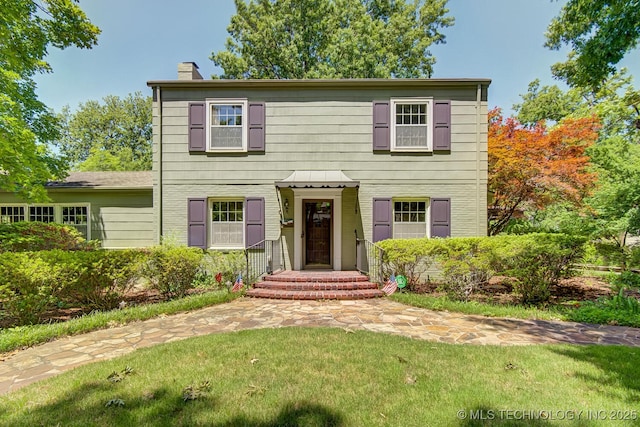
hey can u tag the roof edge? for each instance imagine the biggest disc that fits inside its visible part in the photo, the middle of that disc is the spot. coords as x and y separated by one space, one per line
338 83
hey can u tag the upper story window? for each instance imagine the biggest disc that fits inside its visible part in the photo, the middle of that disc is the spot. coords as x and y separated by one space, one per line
227 130
411 124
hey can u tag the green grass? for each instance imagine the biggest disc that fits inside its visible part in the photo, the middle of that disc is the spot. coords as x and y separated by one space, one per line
587 312
25 336
324 377
442 303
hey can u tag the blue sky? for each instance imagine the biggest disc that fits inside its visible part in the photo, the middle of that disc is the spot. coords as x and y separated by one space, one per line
144 40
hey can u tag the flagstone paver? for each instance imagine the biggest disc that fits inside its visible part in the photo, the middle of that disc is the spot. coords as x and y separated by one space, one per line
377 315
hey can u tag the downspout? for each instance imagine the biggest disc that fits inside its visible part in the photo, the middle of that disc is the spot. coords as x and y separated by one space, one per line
478 159
158 92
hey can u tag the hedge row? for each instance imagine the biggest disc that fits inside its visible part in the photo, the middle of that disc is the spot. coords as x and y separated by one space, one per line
31 283
40 236
534 261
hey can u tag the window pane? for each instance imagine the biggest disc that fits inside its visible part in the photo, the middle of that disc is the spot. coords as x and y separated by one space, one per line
41 213
397 206
405 206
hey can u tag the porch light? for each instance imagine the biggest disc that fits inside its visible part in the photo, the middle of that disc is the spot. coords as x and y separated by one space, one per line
286 205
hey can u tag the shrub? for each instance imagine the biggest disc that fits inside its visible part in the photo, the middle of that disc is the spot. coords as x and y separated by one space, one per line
537 261
626 279
229 264
466 264
29 286
172 269
408 257
97 279
39 236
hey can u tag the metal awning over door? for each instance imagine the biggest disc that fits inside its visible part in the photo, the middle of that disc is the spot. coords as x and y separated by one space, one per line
317 179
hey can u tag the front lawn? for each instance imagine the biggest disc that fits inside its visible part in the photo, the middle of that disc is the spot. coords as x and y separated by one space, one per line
328 377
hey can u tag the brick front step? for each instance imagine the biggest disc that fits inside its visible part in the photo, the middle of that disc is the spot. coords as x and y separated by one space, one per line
315 285
314 295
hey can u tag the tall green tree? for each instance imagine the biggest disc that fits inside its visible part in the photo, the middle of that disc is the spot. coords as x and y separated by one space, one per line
305 39
28 28
114 134
599 32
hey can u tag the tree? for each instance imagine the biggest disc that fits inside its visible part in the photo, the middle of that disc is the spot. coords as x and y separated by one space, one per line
111 135
27 29
305 39
600 34
535 167
613 210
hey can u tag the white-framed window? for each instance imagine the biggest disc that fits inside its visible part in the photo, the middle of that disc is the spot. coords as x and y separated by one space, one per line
227 223
75 215
409 218
411 124
227 125
11 214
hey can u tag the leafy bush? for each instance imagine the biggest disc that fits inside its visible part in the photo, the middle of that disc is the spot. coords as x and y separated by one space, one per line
97 279
626 279
537 261
408 257
229 264
29 286
466 264
172 270
40 236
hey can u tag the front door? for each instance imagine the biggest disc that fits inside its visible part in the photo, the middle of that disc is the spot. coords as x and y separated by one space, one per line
318 222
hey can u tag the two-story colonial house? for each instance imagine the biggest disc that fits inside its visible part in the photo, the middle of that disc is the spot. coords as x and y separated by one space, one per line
316 164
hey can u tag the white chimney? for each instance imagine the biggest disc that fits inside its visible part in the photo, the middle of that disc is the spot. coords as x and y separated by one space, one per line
188 71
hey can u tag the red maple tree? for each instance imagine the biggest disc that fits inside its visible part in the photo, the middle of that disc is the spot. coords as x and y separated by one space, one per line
534 167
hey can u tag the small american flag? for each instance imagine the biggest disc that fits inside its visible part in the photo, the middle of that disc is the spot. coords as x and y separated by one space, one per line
238 284
391 286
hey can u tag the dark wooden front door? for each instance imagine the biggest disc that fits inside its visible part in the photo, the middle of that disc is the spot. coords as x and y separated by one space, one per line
318 220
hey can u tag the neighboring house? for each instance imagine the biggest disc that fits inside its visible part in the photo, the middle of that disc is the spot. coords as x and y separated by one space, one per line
115 208
318 163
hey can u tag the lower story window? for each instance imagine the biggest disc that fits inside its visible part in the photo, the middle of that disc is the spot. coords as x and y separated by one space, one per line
75 216
409 219
227 224
10 214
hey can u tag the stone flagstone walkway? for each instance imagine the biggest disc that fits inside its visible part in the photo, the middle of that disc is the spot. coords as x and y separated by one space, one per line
377 315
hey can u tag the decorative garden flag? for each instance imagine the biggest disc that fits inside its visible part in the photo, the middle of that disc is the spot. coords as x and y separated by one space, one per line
391 286
238 285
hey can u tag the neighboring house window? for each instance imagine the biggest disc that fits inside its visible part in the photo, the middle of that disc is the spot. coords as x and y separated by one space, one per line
10 214
73 215
411 128
41 213
409 219
78 217
227 224
227 125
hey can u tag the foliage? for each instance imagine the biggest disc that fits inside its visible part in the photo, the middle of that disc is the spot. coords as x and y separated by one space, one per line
29 286
172 270
466 263
612 211
534 167
114 134
604 314
411 258
600 33
40 236
27 29
537 261
97 279
229 264
294 39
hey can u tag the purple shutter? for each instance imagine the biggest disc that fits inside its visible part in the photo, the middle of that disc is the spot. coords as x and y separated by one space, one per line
381 129
382 219
441 217
197 223
254 220
197 125
442 125
256 126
